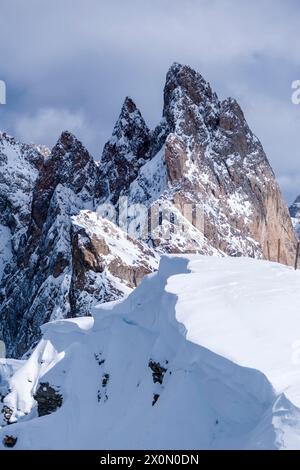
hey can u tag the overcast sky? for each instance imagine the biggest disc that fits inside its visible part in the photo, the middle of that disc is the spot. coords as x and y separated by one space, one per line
68 64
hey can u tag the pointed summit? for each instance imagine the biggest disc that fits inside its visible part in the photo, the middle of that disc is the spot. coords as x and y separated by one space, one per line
129 106
189 102
67 142
71 162
130 126
183 80
67 138
126 151
69 165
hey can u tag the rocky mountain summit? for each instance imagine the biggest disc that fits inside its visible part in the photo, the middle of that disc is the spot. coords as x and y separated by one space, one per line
199 182
204 155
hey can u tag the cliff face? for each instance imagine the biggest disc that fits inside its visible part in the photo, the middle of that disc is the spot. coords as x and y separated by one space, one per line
223 164
208 157
125 153
67 261
200 182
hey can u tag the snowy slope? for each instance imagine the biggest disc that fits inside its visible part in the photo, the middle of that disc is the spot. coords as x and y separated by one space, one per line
248 312
164 367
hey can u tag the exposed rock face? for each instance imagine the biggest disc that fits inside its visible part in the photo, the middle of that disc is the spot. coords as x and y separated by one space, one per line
200 179
107 264
295 215
70 165
48 399
59 271
7 413
211 159
127 150
9 441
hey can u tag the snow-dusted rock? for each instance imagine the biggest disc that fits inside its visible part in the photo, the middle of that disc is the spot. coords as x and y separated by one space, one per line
19 165
50 276
107 264
295 215
200 179
203 153
124 154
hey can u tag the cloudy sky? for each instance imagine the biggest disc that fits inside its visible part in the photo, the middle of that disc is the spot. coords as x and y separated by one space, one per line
68 64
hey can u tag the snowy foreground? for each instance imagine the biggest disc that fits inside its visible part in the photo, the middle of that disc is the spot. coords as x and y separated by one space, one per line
203 354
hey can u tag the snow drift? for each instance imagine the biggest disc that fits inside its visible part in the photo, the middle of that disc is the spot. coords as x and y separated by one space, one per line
199 356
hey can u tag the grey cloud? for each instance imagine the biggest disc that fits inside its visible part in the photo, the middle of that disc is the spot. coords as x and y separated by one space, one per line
72 62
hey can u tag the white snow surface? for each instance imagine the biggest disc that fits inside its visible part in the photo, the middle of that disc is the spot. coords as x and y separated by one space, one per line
224 330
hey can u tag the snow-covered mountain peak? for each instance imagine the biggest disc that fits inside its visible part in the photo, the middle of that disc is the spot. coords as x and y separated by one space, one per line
188 101
200 178
214 162
48 276
130 130
70 151
127 150
129 110
19 168
71 165
68 141
189 80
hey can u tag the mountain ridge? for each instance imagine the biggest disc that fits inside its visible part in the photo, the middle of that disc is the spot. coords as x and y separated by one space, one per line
200 179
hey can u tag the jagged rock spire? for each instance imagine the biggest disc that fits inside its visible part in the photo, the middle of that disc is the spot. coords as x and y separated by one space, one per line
189 103
190 82
69 164
212 158
126 151
201 155
131 136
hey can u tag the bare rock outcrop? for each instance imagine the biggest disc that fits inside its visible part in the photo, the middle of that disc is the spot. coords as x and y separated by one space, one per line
207 157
